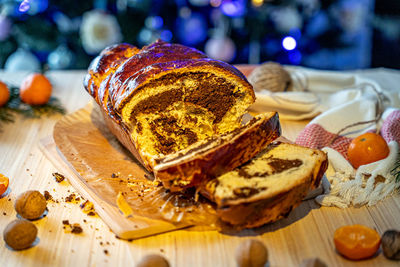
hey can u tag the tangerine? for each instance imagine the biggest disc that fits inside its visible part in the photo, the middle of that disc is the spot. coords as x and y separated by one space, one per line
3 184
35 89
4 94
356 241
367 148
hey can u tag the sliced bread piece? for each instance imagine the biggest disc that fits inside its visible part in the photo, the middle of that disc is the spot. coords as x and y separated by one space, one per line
268 187
212 157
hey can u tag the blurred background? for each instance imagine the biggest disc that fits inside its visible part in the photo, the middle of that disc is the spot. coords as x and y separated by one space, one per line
323 34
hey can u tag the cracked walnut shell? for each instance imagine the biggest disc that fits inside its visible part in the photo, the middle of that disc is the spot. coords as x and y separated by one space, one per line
30 204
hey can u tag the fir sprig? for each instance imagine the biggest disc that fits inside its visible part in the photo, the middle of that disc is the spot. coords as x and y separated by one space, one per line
50 108
7 112
16 106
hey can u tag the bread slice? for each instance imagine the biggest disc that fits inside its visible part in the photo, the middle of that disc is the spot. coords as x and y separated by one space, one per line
212 157
268 187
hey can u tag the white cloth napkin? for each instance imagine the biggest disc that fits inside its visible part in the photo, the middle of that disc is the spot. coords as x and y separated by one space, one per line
315 91
336 100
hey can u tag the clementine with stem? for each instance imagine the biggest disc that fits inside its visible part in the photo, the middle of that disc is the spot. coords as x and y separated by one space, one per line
367 148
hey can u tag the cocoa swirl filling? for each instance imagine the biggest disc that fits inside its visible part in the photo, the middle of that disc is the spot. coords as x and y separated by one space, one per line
277 166
245 192
212 140
167 144
211 92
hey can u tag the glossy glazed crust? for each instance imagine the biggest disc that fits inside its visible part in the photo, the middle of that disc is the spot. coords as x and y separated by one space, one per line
242 146
158 52
121 70
102 67
122 92
257 212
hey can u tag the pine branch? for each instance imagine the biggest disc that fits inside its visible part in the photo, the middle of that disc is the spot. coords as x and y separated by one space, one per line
6 115
16 106
51 108
7 112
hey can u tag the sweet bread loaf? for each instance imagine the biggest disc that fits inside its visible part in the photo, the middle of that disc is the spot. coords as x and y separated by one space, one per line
180 114
221 153
268 187
167 96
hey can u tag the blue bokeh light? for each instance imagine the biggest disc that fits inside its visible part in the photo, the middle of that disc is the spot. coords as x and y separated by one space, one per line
295 57
233 8
24 6
154 22
166 35
289 43
191 30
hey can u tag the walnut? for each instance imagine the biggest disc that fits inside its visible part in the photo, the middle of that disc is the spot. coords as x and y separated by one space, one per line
20 234
30 204
270 76
153 261
312 262
391 244
251 253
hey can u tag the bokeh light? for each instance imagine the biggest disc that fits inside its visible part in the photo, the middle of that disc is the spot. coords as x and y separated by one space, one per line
24 6
191 30
257 3
215 3
233 8
154 22
289 43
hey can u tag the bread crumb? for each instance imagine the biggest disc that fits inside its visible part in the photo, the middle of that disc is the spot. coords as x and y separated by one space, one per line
123 206
47 195
58 177
74 228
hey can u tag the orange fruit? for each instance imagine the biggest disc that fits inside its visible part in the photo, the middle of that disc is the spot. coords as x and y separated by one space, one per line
3 184
367 148
4 94
35 89
356 241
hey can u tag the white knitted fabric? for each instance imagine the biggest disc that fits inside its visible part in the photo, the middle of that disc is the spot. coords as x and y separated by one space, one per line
348 187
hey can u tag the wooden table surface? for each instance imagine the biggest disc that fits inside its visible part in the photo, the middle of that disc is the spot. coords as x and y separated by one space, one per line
306 233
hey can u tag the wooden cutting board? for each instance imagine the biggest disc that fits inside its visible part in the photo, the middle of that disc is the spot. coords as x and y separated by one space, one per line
97 165
88 162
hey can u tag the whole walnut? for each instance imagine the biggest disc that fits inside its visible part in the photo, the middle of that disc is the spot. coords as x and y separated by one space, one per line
20 234
391 244
153 260
270 76
30 204
251 253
